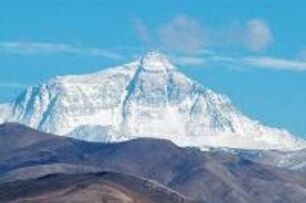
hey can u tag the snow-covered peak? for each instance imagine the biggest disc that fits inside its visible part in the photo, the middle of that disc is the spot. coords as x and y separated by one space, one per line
155 61
146 98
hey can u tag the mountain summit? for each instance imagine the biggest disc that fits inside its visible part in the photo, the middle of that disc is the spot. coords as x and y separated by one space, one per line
155 61
146 98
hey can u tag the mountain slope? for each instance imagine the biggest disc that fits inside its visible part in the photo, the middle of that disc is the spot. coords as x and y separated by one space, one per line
212 176
106 187
147 98
294 160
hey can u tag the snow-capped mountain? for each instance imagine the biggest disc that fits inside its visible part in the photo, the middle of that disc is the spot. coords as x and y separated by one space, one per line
146 98
293 160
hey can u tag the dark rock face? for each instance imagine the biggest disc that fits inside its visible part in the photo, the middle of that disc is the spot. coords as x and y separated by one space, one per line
206 176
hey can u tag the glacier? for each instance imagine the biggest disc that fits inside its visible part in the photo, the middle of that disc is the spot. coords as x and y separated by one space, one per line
146 98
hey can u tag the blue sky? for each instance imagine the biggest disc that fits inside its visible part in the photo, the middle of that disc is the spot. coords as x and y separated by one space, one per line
255 52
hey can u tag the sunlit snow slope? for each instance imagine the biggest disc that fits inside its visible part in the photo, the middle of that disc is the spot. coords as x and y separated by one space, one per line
146 98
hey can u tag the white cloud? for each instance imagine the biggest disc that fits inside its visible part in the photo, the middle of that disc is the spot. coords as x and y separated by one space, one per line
187 60
257 35
207 58
143 32
254 35
275 63
263 62
182 34
19 47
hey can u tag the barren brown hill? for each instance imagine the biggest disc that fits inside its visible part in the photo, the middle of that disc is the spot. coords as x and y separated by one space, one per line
212 176
106 187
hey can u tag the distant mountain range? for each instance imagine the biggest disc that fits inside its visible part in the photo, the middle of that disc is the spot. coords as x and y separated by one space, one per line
40 167
146 98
